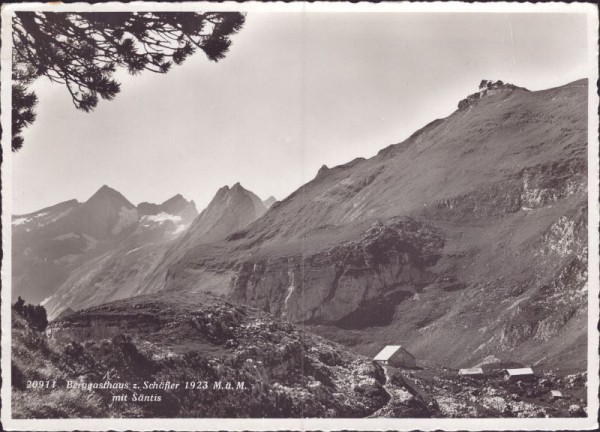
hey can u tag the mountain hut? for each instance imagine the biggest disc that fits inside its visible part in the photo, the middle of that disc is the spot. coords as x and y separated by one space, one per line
396 356
520 374
471 372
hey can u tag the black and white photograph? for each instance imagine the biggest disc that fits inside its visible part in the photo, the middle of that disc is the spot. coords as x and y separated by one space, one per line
303 216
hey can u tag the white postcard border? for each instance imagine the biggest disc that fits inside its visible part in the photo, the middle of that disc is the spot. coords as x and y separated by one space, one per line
588 423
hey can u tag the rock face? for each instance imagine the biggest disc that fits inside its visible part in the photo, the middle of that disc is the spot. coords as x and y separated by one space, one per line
497 196
355 284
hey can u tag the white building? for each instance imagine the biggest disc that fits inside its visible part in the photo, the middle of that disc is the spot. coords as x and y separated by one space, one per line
520 374
471 372
395 355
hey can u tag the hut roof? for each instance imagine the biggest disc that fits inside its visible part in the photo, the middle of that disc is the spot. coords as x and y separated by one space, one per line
387 352
520 371
471 371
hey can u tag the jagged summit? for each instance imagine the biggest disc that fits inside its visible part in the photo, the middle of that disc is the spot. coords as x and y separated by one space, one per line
237 187
233 198
231 209
174 205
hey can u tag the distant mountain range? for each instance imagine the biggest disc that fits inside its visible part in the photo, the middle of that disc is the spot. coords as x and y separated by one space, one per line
75 255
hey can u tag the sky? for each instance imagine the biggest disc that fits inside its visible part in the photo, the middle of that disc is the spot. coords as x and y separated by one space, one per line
295 92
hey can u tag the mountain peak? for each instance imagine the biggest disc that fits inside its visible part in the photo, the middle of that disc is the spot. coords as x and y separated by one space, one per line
269 201
237 189
176 199
236 192
105 189
176 205
322 171
107 194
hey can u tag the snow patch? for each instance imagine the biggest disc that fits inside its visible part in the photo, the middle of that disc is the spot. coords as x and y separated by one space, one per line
46 300
24 220
162 217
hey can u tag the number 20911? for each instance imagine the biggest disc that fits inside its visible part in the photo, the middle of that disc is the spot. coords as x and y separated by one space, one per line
41 384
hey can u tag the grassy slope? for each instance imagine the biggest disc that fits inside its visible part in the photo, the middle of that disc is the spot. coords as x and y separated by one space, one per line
497 178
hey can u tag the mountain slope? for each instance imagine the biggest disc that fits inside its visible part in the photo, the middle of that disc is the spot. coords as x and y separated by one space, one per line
467 240
34 274
230 210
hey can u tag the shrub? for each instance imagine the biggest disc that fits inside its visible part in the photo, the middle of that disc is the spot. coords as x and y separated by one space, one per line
35 315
